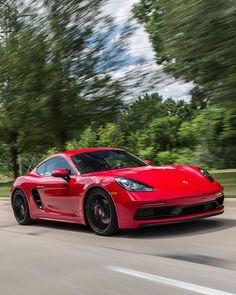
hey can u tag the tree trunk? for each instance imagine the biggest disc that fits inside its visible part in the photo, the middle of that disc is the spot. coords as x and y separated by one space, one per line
14 156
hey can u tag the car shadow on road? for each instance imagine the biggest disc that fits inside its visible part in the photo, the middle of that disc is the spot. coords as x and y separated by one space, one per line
56 225
202 226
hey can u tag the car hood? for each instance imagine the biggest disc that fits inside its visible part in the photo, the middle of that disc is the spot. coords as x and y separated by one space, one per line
169 179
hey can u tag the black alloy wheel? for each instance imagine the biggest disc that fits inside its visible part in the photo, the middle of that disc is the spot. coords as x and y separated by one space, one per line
101 213
21 208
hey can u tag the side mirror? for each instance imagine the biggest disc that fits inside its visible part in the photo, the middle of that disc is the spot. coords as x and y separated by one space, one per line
148 162
61 172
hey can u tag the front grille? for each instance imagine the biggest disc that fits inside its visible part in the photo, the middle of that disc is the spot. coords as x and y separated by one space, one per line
176 211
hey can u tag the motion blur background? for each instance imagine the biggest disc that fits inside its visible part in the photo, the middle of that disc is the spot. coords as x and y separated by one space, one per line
155 77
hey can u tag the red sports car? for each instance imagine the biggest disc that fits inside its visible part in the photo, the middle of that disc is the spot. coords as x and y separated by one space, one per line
111 189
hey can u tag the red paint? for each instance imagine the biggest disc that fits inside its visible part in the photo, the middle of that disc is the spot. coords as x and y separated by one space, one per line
63 199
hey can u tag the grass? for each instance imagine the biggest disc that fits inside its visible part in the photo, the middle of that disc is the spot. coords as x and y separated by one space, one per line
5 184
226 177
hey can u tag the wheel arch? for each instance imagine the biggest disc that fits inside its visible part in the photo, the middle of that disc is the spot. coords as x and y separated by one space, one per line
18 189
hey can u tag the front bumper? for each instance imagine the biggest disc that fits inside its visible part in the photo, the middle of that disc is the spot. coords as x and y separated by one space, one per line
165 212
135 214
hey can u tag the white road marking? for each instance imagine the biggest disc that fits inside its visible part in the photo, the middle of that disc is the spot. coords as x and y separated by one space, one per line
169 282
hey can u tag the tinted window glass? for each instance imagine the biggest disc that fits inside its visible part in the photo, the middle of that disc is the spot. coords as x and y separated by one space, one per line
41 169
105 160
56 163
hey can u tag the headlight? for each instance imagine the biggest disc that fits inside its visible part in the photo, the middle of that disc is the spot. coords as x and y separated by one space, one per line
133 185
207 174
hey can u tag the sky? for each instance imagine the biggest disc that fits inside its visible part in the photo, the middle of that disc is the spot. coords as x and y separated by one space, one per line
147 76
140 46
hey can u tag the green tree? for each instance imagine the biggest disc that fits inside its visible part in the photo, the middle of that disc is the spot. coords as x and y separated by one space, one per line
159 136
22 58
195 40
150 124
110 135
166 157
52 83
78 94
142 111
163 133
88 138
212 135
139 143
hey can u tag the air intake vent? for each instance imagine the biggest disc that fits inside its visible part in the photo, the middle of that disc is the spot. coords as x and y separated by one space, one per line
220 201
37 199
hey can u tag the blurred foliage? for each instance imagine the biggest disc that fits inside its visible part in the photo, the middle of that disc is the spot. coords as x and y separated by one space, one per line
57 92
110 136
54 81
205 139
195 40
88 138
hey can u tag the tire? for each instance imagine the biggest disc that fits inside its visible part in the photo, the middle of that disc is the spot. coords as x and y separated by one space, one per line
21 208
101 213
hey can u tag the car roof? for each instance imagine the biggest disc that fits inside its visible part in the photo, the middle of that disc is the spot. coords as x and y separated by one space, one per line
85 150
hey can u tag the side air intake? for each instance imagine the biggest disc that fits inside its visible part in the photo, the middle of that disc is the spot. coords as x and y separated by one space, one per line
37 199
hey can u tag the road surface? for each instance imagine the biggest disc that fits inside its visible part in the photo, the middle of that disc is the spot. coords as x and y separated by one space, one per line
63 259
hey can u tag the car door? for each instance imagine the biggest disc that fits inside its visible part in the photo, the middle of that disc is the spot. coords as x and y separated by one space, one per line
59 197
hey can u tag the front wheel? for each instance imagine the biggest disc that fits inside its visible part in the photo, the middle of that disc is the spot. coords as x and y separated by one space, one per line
101 213
21 208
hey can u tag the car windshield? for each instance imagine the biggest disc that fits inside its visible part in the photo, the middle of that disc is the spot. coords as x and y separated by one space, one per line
105 160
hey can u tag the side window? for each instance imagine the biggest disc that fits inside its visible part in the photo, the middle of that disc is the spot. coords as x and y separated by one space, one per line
41 169
56 163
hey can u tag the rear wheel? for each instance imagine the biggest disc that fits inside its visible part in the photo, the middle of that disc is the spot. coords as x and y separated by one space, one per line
21 208
101 213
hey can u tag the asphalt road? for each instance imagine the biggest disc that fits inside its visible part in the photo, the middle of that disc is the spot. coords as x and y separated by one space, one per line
63 259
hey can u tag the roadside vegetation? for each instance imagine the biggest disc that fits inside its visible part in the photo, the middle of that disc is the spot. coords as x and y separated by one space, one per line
5 184
228 179
57 91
